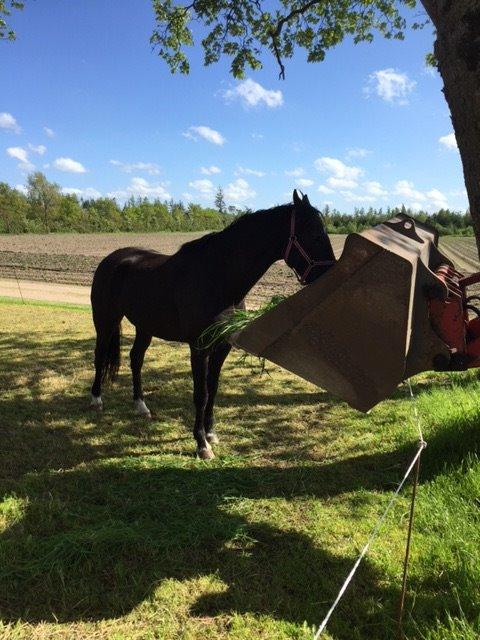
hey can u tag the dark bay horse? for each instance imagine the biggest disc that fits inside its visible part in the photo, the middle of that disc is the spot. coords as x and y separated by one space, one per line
177 297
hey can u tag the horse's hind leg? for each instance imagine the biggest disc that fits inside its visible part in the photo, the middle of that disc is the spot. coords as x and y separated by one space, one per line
140 345
199 361
215 363
107 354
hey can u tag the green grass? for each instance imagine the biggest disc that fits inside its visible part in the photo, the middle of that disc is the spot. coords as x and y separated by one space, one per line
110 528
46 303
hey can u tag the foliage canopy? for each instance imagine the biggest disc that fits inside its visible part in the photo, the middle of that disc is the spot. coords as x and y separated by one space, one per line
6 7
242 29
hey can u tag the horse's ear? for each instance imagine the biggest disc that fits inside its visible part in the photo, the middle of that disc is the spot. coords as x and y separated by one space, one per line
306 201
297 200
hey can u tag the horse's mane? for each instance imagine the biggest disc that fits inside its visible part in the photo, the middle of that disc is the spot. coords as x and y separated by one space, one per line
239 222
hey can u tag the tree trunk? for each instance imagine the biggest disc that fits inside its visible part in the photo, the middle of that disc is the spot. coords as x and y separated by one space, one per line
457 49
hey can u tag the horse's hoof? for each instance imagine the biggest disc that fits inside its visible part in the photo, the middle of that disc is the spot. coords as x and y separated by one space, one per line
96 403
205 453
212 438
141 409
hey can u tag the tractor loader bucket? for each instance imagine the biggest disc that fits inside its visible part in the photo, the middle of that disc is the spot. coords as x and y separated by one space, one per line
362 327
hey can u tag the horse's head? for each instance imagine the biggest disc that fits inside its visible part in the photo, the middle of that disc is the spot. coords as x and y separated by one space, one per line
308 251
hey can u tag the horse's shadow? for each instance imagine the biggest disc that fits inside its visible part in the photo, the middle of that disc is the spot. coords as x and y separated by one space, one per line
96 543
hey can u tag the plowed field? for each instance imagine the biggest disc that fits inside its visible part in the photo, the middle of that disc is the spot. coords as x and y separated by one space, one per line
72 258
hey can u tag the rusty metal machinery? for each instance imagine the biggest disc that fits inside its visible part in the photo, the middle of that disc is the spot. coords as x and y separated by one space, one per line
392 306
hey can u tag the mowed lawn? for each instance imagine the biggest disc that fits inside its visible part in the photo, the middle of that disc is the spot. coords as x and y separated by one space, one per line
110 528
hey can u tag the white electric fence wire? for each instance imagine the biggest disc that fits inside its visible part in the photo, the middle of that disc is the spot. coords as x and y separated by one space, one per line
416 414
421 446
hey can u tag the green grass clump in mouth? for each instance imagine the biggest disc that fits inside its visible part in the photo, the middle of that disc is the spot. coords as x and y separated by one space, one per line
234 322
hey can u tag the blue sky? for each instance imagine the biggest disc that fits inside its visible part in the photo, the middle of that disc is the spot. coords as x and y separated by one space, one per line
85 100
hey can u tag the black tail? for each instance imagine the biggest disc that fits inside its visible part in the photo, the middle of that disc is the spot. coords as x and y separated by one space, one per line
111 363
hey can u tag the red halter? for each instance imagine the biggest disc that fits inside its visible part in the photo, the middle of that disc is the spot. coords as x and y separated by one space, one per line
293 242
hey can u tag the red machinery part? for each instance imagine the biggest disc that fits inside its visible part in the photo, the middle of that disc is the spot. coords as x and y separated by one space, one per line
450 319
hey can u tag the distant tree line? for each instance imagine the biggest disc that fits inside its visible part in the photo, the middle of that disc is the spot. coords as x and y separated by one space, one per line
44 208
446 222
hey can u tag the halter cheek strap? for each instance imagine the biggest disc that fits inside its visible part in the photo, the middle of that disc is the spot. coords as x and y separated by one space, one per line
294 242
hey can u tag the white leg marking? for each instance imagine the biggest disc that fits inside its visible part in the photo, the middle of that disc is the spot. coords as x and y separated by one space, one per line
141 409
212 438
205 453
96 403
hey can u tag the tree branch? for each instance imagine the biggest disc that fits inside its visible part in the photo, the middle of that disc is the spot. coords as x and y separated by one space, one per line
281 75
274 33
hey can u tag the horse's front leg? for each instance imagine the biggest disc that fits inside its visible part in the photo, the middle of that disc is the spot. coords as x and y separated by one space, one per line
215 363
199 360
137 354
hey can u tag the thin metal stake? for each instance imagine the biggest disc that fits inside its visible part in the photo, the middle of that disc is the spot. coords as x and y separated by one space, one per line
18 285
401 634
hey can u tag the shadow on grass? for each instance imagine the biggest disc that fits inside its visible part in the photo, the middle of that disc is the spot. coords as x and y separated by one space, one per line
168 394
95 544
94 541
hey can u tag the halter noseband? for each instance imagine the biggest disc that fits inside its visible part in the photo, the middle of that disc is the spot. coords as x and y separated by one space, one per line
294 242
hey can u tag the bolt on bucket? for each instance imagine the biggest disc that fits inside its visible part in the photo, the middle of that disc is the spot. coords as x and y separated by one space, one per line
362 327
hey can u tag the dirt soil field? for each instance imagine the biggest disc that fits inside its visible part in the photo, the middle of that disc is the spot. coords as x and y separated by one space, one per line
70 259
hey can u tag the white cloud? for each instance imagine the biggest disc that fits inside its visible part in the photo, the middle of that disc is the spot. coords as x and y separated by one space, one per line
18 153
239 191
357 152
304 182
341 183
428 70
8 122
90 192
297 147
49 132
139 187
342 176
353 191
373 188
357 197
337 168
252 94
407 190
204 187
69 165
26 166
249 172
295 173
210 135
390 85
449 141
40 149
210 171
433 199
149 167
257 136
437 198
416 206
22 188
21 154
458 193
324 189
